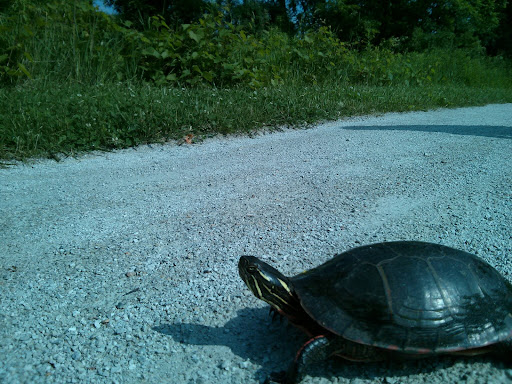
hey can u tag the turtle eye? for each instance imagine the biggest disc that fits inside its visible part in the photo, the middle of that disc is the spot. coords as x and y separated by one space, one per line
252 269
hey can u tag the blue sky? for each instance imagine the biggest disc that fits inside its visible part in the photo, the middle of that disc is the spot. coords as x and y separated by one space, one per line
102 7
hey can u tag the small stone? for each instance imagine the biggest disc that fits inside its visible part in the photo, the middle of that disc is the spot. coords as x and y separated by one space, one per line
195 359
59 358
116 369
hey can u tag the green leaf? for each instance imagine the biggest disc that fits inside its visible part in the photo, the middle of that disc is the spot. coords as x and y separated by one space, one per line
164 24
24 70
151 52
194 36
29 58
208 76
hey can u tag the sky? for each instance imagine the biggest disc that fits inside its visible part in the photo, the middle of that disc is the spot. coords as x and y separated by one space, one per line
102 7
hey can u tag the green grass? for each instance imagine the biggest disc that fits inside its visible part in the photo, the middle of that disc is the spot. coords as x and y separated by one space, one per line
61 120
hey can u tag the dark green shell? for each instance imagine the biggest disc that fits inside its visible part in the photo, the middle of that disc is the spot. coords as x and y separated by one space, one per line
411 297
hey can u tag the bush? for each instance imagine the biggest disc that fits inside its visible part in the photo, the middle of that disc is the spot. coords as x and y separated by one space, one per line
214 51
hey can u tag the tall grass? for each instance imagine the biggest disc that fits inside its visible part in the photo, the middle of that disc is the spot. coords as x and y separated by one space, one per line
58 41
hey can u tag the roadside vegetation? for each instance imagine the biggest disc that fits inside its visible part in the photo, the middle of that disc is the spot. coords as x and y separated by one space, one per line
75 79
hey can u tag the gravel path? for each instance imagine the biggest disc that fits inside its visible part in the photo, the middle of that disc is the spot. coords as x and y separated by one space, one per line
121 267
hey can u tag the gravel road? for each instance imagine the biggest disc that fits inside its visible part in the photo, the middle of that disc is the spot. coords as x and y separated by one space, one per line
121 267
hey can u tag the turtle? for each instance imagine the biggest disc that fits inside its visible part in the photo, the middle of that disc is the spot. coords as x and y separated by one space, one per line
391 300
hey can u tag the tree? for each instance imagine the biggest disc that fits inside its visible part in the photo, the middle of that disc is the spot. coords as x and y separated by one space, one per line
279 15
453 22
251 14
502 43
257 15
173 11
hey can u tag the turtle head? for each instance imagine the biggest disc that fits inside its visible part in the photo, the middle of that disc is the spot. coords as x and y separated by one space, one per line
266 283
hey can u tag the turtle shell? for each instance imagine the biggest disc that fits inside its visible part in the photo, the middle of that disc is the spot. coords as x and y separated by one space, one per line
411 297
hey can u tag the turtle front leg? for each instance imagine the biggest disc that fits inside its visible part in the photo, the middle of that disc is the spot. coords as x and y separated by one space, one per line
321 348
316 349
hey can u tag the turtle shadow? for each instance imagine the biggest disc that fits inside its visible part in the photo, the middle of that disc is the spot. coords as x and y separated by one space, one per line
254 336
251 334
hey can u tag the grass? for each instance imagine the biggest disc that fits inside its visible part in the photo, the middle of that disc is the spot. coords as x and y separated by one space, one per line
66 119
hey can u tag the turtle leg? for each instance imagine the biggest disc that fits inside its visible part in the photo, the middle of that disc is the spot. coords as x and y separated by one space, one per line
316 349
274 313
320 348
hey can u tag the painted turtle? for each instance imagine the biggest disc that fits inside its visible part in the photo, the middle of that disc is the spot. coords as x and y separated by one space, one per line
389 300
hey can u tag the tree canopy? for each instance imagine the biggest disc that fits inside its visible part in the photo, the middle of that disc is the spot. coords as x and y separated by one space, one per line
410 24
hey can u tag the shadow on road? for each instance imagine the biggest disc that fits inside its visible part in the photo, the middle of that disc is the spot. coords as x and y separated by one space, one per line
470 130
